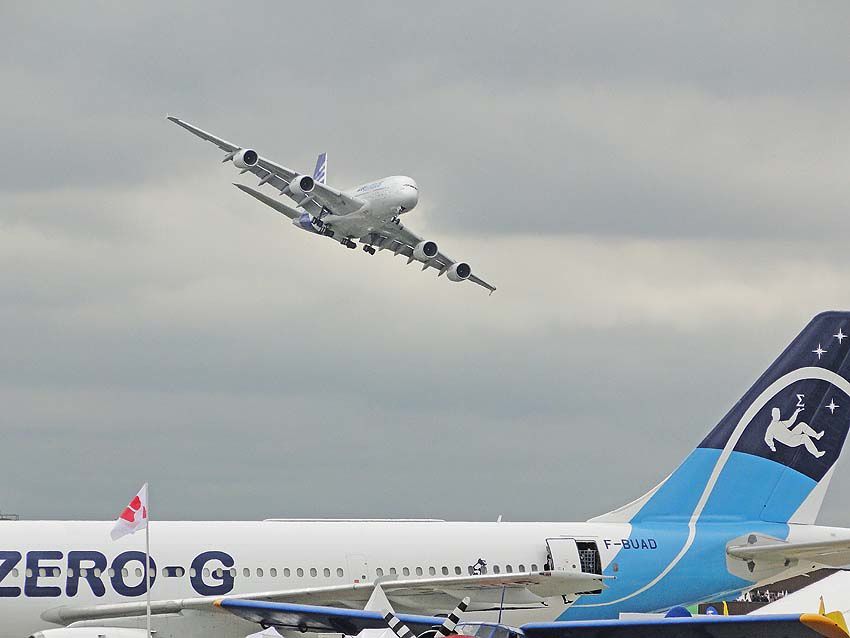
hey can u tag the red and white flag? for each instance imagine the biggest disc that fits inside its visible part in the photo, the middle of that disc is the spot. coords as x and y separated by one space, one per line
134 517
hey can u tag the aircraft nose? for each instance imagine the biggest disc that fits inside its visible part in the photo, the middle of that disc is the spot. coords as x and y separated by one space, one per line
411 195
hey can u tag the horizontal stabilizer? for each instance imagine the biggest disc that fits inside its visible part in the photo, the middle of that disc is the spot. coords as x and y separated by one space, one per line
831 553
270 201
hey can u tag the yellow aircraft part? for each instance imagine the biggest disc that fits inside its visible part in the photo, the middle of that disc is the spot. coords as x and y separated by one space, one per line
826 625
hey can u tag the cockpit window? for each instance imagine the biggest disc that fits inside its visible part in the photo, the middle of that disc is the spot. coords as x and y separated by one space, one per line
413 186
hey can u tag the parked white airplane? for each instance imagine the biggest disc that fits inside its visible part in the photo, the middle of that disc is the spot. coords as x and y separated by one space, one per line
369 213
736 514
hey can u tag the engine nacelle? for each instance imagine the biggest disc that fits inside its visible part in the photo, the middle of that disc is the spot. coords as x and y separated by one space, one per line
301 185
459 271
425 250
246 158
91 632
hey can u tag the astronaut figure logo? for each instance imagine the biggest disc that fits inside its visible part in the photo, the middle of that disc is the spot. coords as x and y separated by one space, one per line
787 433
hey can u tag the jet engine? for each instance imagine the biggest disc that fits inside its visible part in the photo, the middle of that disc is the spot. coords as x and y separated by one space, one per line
425 250
246 158
301 185
459 271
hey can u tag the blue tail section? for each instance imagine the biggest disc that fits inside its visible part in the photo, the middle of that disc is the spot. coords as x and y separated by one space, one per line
771 457
320 173
765 465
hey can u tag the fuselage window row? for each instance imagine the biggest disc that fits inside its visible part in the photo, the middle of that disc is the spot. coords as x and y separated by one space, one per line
176 571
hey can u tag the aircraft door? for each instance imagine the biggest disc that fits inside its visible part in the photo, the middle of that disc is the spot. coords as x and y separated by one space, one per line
563 555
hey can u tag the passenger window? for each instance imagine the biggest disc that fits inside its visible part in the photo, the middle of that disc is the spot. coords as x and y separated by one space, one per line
96 572
458 570
70 572
313 572
125 572
406 571
495 569
341 573
327 572
273 572
533 567
192 572
206 571
509 569
286 572
521 567
260 572
378 572
15 572
29 573
418 571
299 571
393 571
432 571
233 572
445 571
218 573
42 572
138 572
246 572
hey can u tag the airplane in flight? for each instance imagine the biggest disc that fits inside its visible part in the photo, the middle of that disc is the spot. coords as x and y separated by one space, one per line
369 213
738 513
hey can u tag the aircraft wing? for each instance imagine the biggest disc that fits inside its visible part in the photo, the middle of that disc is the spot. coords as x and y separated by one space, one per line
270 172
402 241
832 553
316 618
780 626
423 594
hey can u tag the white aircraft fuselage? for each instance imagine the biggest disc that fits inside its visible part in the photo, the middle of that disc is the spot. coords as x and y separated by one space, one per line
47 565
385 199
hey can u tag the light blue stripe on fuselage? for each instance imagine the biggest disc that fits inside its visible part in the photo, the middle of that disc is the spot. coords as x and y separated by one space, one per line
749 489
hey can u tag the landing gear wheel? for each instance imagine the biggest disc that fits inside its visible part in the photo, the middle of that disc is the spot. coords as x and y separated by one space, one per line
368 249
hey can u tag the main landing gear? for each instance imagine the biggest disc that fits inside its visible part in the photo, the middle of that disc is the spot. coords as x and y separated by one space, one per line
368 249
347 243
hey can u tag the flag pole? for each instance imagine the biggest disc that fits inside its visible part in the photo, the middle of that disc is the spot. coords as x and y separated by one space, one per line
148 561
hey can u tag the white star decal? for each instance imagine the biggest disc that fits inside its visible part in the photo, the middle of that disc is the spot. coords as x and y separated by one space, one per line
819 352
832 406
840 336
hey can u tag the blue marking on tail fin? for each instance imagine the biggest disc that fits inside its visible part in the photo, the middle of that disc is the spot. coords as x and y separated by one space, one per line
774 447
320 174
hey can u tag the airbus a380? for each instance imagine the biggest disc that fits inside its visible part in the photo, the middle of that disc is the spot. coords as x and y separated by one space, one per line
739 512
370 213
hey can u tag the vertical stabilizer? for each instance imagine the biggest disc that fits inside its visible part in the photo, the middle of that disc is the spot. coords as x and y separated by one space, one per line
320 173
771 457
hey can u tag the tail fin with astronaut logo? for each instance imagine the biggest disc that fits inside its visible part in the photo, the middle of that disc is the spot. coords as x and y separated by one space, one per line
772 456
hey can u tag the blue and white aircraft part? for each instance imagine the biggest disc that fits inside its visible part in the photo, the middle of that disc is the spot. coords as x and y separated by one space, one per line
738 512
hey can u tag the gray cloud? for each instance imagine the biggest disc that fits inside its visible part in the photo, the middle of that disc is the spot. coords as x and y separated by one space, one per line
653 189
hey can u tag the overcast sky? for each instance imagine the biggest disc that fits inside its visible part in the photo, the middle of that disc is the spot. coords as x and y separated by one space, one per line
659 190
